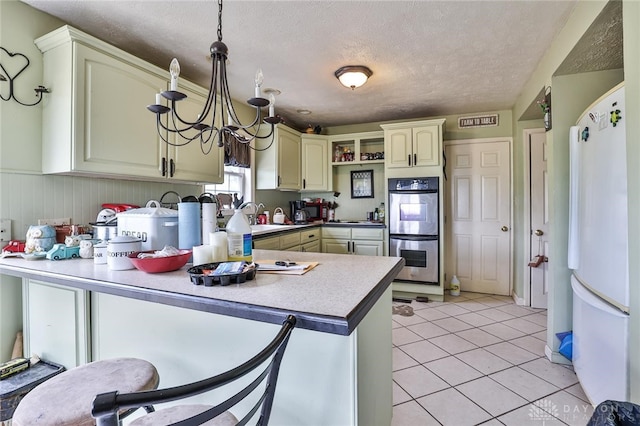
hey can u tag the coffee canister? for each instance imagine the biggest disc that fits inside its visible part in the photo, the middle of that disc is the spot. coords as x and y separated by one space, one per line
118 250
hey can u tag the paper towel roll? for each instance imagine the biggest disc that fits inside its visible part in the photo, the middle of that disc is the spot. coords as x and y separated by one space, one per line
189 225
209 220
218 241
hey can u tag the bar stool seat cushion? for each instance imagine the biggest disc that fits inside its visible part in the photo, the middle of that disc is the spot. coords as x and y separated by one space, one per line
67 398
174 414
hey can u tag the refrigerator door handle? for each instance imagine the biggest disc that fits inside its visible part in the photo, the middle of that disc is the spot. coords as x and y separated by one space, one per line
574 192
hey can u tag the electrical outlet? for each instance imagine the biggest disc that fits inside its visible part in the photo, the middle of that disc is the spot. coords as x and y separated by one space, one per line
55 222
5 229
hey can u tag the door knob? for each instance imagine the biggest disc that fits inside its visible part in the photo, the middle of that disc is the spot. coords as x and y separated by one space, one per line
539 232
504 229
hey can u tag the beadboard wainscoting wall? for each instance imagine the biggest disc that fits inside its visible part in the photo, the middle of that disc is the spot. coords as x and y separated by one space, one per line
25 198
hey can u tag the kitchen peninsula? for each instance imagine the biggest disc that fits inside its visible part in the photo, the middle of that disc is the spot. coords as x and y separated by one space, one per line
337 368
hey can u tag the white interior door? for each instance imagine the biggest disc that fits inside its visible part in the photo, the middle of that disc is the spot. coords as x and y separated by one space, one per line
479 215
539 210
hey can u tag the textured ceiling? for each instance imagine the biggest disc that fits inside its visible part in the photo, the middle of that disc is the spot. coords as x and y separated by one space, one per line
429 58
600 48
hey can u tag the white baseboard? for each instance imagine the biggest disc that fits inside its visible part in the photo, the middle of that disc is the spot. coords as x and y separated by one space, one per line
518 300
556 357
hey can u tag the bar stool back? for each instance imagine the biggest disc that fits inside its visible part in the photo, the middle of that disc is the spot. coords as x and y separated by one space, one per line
107 405
66 399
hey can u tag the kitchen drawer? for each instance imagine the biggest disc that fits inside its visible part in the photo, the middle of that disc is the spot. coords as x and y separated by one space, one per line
367 233
289 240
309 235
340 233
311 246
270 243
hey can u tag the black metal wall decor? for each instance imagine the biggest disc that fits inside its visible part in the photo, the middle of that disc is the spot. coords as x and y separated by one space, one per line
546 108
362 184
6 76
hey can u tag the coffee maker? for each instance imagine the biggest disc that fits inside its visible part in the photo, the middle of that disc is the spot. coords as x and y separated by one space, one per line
298 213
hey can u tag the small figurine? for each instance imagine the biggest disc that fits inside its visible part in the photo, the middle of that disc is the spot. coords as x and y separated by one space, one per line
71 241
86 249
61 251
14 246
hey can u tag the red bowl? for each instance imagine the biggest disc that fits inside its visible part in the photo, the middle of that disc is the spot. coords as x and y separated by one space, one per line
160 264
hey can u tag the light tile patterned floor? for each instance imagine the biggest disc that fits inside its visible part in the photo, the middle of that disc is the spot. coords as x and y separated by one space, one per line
479 359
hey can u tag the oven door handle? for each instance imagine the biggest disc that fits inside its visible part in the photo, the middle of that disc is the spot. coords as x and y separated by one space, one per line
413 191
414 237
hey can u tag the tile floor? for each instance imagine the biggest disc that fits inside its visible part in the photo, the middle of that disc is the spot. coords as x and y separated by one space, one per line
479 359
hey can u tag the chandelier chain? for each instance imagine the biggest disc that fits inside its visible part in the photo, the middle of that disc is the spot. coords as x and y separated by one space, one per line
219 20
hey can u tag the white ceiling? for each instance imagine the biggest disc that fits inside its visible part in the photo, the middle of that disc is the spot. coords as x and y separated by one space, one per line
429 58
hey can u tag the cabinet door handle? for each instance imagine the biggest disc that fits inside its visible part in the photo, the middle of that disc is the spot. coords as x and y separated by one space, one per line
304 183
415 159
164 166
172 167
279 180
409 160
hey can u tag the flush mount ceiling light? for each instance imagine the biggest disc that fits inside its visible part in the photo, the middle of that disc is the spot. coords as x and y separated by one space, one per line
353 76
218 109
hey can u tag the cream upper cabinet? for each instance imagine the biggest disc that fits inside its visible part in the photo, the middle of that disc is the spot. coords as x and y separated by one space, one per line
278 167
95 121
413 144
316 172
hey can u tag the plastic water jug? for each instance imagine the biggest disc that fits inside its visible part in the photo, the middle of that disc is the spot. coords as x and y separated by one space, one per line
239 237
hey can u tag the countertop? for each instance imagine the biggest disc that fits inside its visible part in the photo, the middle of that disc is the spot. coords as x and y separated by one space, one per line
333 297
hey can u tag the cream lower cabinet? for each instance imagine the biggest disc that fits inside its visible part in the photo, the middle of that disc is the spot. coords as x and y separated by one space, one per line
305 240
95 120
278 167
56 323
290 241
310 240
316 171
268 243
413 144
353 240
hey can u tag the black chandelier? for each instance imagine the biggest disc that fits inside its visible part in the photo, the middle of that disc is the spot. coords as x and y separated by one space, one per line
205 129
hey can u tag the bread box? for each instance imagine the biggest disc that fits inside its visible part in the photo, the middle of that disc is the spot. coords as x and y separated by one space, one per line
154 225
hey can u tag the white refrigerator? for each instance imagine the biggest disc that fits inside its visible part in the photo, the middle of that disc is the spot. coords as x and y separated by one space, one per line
598 249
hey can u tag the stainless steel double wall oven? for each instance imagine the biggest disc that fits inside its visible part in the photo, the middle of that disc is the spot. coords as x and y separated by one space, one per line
414 218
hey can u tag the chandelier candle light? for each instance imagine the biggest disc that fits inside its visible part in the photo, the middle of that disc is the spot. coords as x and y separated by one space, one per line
204 127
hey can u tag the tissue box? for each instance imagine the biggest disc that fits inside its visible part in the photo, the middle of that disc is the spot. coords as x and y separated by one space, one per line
14 388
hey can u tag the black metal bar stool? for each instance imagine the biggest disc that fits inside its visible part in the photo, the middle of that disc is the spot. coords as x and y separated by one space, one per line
107 405
66 399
